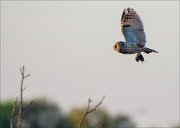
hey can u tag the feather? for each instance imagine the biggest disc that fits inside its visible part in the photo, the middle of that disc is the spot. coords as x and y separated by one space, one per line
132 28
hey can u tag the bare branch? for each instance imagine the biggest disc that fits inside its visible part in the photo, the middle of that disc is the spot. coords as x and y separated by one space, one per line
21 109
97 105
27 105
12 114
88 110
27 76
21 71
24 108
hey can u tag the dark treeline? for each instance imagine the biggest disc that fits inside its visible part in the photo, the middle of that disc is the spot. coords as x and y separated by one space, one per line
46 114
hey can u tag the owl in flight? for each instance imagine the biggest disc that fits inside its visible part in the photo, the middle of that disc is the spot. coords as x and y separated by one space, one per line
133 31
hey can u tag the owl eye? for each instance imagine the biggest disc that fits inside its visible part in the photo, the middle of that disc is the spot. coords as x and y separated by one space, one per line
115 46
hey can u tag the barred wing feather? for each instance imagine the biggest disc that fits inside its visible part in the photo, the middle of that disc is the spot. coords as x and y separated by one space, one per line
132 28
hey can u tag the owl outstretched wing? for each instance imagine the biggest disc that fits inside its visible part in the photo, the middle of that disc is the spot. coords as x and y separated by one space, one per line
132 28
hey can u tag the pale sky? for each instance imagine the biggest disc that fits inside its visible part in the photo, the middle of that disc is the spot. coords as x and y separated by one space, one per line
67 47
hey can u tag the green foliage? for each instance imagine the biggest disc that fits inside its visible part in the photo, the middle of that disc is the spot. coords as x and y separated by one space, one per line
5 112
45 114
41 114
99 119
75 116
177 126
122 121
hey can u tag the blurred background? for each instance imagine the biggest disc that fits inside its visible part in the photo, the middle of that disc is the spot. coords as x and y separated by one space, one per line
67 48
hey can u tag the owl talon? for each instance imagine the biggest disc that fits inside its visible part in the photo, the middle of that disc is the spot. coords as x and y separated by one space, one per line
139 57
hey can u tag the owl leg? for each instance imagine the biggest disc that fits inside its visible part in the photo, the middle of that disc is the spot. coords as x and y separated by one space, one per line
139 57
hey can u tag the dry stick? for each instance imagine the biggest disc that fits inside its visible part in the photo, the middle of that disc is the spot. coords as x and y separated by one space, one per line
21 109
24 108
12 114
23 76
89 111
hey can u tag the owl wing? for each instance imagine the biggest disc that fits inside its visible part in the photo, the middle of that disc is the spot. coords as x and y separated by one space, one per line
132 28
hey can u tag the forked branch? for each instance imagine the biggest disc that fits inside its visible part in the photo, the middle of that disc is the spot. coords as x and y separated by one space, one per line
13 113
21 108
23 76
88 110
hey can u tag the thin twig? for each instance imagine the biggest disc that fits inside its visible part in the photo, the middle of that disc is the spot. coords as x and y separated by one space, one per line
28 105
88 110
23 76
21 108
12 114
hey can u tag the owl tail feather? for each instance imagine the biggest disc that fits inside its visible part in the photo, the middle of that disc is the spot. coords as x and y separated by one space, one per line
148 50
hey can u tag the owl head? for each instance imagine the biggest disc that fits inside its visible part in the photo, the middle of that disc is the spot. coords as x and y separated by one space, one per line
118 46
